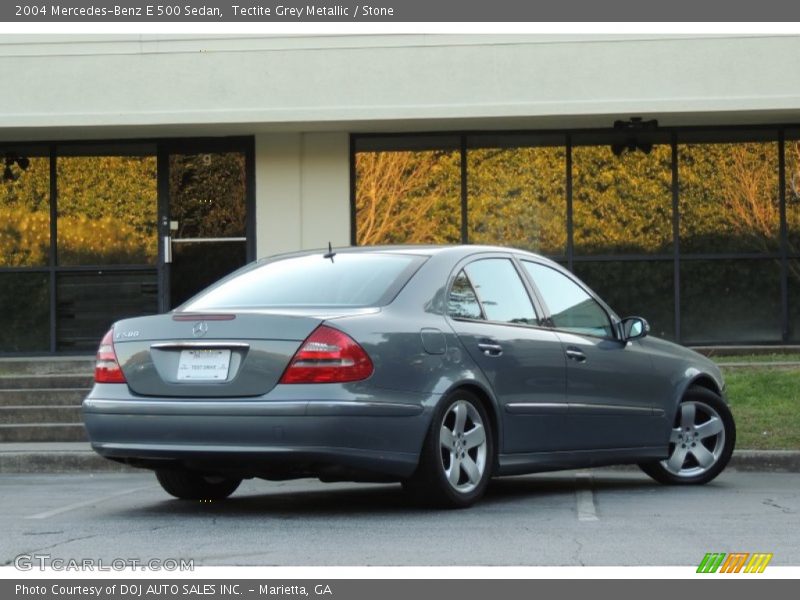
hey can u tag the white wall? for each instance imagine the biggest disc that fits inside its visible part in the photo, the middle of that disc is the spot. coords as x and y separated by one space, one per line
302 191
57 87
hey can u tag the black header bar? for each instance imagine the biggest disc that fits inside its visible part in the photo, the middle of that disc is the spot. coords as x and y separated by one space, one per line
398 11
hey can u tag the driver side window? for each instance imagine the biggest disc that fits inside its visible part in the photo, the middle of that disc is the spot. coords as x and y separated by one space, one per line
571 308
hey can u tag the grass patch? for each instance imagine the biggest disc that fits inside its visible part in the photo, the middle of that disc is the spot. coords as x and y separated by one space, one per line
766 406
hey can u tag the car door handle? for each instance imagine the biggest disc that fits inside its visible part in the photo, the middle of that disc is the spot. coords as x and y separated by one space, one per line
576 355
490 348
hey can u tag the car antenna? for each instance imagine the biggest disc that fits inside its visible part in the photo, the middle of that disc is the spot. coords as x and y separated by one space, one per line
330 253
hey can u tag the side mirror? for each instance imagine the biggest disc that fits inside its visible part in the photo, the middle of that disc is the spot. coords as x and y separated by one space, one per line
634 328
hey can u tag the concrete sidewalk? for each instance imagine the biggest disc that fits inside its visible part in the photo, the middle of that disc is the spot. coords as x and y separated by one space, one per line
77 457
54 457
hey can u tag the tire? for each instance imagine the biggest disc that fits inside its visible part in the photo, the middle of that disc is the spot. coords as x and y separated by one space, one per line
188 485
701 441
458 454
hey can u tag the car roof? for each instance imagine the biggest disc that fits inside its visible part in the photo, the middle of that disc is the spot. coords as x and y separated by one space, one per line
456 251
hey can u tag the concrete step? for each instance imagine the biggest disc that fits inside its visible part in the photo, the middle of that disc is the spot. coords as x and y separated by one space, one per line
61 380
48 365
43 432
54 457
39 397
18 415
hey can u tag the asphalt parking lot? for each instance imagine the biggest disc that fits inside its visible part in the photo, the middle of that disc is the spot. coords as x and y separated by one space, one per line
599 517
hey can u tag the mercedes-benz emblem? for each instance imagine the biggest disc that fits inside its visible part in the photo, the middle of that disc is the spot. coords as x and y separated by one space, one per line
200 329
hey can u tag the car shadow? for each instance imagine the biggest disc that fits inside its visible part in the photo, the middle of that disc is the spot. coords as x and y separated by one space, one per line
513 488
384 499
376 500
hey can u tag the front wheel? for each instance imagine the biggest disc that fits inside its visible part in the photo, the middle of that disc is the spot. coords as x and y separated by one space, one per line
701 441
188 485
457 456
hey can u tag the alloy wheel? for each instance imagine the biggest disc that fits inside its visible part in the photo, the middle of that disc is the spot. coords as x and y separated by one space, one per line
463 446
697 440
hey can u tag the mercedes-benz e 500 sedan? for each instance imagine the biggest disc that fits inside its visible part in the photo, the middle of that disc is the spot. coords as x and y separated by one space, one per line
439 367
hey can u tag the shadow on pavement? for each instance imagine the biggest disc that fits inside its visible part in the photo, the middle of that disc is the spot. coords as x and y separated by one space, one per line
378 500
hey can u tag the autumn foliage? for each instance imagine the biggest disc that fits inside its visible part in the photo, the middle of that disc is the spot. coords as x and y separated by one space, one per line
728 198
106 212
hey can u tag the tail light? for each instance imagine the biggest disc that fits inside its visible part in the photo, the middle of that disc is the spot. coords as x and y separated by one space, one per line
107 369
328 356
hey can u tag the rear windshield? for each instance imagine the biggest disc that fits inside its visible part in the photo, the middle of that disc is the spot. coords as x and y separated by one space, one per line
349 280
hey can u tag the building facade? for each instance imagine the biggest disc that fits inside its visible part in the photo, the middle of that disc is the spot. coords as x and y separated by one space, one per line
663 170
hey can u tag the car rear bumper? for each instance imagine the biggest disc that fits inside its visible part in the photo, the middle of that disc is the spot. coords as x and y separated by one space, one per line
260 437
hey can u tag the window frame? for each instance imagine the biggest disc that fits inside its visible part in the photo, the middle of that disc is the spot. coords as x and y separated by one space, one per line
55 149
531 294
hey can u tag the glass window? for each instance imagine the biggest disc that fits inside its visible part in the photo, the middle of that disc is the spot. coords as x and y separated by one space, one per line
197 265
621 204
350 279
24 312
730 301
571 308
635 288
207 195
207 199
107 209
792 154
90 301
409 197
729 197
517 197
794 299
24 209
462 302
500 291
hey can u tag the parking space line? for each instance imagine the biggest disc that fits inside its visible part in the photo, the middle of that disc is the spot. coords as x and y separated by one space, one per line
585 497
93 501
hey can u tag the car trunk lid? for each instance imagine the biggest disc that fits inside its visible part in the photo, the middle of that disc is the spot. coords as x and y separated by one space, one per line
209 355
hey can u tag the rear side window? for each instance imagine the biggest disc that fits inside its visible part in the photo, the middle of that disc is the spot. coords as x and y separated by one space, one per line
571 308
463 303
500 291
349 280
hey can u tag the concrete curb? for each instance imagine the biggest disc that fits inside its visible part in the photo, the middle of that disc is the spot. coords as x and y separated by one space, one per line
785 461
763 461
68 462
79 458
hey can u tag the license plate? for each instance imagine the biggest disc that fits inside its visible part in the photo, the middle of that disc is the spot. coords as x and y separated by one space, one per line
204 365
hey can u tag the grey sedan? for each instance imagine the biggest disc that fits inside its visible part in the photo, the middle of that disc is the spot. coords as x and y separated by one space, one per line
439 367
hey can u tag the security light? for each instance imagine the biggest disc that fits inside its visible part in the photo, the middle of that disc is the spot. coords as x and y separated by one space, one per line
634 127
10 159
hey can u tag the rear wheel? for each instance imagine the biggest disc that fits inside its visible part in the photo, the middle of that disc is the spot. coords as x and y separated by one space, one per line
188 485
458 454
701 441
